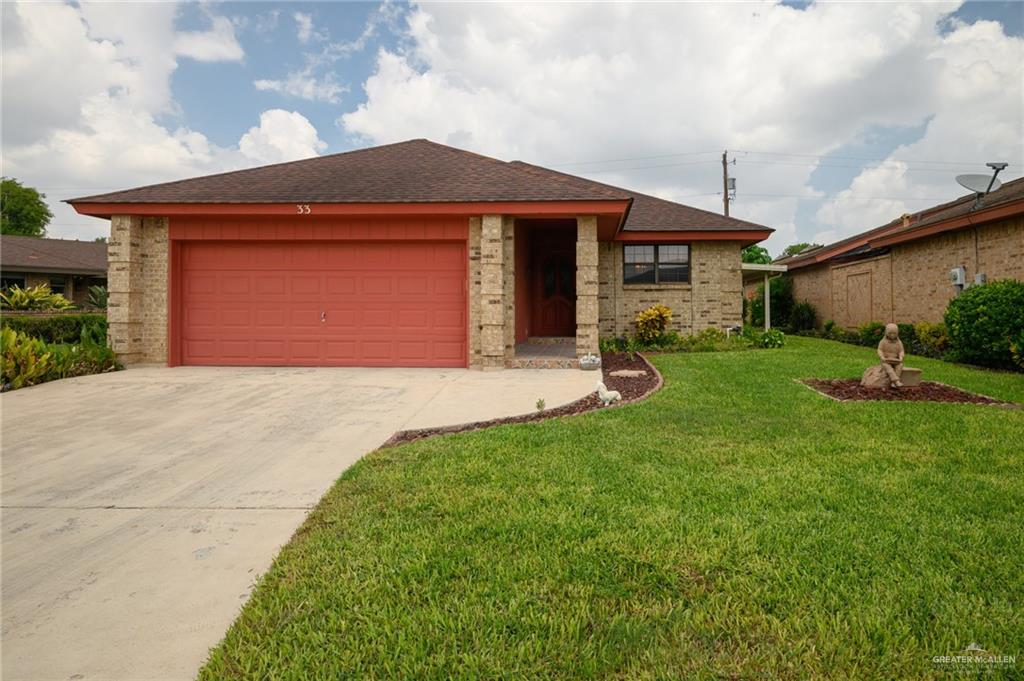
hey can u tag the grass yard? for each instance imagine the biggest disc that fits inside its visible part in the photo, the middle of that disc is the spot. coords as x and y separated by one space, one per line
735 525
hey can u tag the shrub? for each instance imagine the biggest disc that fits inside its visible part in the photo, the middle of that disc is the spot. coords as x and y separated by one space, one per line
652 322
930 340
58 328
28 361
829 326
1017 350
34 298
803 316
984 321
781 298
870 333
907 334
25 361
97 297
772 338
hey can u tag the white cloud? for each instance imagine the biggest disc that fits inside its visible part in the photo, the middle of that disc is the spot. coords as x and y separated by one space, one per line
281 136
217 44
96 126
304 85
564 83
304 27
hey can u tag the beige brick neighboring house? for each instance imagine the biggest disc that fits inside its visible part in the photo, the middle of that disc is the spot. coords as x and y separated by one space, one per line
67 266
411 254
900 272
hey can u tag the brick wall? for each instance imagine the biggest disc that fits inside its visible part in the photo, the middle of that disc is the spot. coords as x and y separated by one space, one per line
922 289
712 299
814 285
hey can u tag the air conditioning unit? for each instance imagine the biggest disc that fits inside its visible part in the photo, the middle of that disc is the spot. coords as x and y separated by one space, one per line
980 278
958 276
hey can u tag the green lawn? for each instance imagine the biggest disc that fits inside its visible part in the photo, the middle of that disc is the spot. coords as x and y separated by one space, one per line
735 525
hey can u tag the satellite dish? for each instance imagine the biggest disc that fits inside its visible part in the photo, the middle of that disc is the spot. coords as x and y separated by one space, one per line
979 184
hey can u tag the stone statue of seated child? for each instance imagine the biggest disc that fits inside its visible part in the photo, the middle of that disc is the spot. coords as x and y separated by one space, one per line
890 351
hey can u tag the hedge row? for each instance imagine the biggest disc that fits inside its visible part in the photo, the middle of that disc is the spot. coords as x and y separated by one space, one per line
60 328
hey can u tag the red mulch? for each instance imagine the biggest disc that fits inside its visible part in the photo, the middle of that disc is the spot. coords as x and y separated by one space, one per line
632 389
929 391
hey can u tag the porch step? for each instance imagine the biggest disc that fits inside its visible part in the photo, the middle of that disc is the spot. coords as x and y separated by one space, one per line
551 340
543 363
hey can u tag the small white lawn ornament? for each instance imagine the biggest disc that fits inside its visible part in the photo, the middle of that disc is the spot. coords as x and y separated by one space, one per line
607 396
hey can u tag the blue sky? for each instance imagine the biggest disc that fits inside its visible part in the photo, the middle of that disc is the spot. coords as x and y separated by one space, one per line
219 99
839 116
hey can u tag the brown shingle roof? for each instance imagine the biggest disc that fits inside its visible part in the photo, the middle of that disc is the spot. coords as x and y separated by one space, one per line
27 253
406 172
412 172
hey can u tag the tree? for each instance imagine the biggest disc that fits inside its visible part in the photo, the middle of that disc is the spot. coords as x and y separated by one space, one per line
796 248
100 239
756 254
22 209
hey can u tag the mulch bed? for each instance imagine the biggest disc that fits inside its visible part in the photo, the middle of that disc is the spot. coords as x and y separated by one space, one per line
632 389
850 389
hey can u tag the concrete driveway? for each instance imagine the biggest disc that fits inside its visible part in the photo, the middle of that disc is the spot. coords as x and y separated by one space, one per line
140 506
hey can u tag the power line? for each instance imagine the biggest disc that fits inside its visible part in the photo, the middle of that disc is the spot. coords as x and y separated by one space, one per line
635 158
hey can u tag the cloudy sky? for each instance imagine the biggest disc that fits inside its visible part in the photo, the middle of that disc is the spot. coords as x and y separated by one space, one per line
839 116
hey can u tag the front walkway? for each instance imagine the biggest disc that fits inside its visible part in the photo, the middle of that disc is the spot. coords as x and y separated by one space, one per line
139 507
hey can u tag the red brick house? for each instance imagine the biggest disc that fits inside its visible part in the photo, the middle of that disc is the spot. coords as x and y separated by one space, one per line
902 271
409 254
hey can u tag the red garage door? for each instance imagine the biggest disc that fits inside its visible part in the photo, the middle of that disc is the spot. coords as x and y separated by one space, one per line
339 303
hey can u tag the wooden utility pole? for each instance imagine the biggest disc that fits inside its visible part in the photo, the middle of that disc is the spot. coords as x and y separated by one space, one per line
725 182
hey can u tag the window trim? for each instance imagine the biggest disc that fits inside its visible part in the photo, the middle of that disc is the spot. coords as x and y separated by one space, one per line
657 269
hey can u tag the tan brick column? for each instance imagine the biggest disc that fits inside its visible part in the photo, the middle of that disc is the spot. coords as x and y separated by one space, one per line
124 285
586 285
474 348
154 289
508 281
492 292
137 284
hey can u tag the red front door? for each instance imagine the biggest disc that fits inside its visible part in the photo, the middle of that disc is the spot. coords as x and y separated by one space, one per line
338 303
553 258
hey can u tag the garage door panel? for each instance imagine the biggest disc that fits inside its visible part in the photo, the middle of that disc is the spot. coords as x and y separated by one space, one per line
383 304
377 286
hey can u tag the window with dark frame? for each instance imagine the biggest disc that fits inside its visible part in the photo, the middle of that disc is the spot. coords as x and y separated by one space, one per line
58 284
8 282
656 264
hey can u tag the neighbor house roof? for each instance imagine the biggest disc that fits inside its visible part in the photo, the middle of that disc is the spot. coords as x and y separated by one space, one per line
34 254
1007 201
417 171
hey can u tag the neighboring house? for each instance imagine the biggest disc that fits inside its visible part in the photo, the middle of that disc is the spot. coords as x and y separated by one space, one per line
68 267
903 271
408 254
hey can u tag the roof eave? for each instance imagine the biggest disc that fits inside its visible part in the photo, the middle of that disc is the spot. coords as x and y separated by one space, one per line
535 208
996 213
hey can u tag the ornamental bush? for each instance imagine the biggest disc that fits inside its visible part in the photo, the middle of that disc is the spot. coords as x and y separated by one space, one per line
985 321
870 333
33 298
652 322
803 316
26 361
930 340
58 328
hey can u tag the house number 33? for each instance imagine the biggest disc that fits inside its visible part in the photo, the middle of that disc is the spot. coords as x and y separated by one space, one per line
302 208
